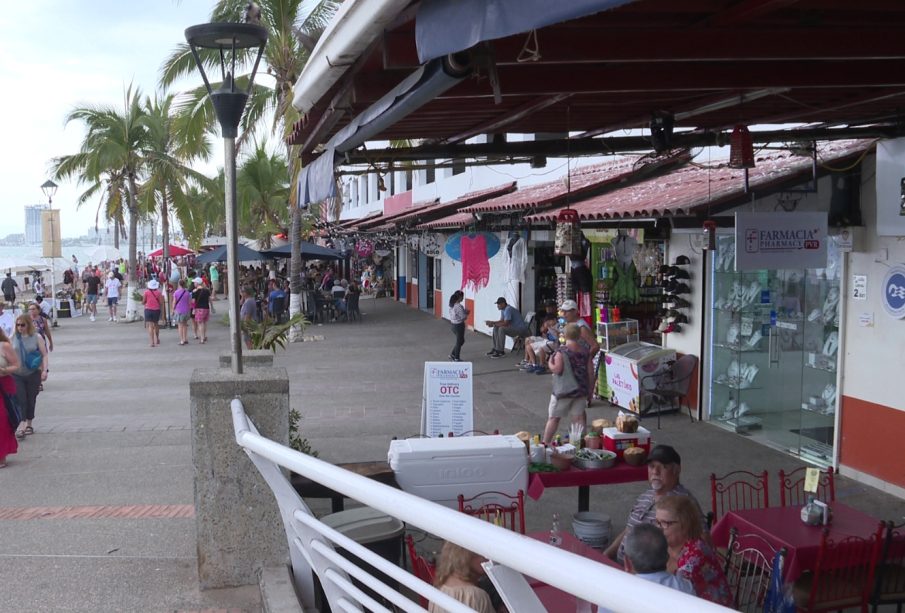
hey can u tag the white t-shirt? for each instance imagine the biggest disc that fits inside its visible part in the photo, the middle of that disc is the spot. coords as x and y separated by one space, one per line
112 286
8 323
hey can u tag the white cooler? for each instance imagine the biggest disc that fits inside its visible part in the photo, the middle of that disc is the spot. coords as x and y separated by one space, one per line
439 469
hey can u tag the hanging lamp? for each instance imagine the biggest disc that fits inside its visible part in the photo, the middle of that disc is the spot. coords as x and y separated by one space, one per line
741 148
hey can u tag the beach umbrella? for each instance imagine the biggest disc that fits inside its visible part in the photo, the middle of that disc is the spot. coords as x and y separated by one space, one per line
22 264
174 250
219 255
310 251
104 252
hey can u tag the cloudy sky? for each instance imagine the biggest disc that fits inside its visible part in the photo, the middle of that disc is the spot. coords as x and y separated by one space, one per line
60 54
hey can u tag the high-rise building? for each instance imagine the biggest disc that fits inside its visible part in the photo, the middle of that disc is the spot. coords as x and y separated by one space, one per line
33 223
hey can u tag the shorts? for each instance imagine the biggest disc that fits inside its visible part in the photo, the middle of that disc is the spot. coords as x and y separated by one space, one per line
539 344
152 315
181 318
202 315
9 297
91 298
560 407
112 301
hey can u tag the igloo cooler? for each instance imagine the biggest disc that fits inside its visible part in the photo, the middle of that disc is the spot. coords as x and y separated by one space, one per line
439 469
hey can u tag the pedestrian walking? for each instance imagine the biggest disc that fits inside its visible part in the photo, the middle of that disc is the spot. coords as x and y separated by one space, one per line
202 297
153 301
92 288
9 363
9 287
182 311
41 323
32 371
457 316
112 286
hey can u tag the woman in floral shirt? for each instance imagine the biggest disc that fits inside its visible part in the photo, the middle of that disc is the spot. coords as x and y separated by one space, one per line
689 555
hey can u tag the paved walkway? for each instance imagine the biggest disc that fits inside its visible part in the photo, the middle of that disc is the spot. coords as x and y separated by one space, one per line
96 508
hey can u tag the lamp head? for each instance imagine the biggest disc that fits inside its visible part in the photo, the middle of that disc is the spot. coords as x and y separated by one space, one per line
50 189
231 40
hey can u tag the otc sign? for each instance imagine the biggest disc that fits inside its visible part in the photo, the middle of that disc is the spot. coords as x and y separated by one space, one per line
780 240
894 291
447 403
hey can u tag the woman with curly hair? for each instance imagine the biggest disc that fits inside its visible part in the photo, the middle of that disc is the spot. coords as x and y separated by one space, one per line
457 575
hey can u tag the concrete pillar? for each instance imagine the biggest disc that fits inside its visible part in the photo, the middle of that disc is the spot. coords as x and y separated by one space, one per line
238 525
251 358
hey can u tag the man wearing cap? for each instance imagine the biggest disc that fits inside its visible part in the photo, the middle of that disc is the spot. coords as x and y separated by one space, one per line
112 286
663 468
511 323
588 338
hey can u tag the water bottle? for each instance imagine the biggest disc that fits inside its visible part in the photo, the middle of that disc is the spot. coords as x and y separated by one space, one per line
555 536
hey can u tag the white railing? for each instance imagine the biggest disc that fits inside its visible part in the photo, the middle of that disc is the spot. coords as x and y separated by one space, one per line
311 544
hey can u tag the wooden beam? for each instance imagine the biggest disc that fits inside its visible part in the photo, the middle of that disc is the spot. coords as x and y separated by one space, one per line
507 118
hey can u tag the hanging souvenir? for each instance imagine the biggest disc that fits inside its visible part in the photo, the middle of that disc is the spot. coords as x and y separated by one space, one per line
364 248
454 243
567 240
412 241
475 264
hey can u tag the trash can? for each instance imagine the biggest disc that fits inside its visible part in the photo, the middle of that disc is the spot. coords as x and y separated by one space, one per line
378 532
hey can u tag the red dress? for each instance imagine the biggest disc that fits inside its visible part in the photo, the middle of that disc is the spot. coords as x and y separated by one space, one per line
8 442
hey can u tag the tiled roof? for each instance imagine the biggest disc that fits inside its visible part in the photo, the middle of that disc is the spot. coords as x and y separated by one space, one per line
465 200
456 220
686 189
388 220
583 180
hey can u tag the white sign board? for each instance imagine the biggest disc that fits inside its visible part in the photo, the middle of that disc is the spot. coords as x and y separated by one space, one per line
859 287
778 241
447 401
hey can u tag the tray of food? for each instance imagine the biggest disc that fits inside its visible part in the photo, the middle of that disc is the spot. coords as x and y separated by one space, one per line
594 458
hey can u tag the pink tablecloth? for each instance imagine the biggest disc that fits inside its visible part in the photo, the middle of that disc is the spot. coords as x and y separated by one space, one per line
575 477
782 527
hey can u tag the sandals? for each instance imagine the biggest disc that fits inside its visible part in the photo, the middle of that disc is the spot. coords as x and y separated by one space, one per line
20 434
29 430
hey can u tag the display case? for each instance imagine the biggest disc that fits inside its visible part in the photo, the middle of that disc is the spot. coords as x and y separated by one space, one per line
773 353
615 333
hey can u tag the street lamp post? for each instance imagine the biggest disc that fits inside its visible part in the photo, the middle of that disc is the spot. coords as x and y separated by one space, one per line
50 189
231 40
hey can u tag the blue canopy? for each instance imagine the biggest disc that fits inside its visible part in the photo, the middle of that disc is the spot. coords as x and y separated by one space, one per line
219 255
310 251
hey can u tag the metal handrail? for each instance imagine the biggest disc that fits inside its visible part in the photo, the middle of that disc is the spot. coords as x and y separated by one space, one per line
587 580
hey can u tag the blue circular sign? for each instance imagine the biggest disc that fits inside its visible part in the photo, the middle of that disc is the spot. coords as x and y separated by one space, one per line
894 291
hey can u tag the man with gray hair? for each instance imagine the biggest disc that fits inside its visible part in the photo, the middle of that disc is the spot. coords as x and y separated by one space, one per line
646 555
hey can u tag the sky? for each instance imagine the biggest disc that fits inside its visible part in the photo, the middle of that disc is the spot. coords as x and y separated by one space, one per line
61 54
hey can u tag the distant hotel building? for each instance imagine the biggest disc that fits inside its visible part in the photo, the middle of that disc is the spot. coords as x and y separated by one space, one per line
33 223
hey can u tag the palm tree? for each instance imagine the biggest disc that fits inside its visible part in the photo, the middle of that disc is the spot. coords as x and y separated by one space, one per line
207 215
111 157
166 162
289 43
262 186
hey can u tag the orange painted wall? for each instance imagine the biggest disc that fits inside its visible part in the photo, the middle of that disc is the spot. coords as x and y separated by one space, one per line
871 439
438 304
469 304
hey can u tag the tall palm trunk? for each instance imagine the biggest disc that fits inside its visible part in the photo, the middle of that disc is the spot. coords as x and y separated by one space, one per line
116 234
165 237
133 231
295 271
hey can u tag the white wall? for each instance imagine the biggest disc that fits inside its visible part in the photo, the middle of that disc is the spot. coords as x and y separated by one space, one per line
874 356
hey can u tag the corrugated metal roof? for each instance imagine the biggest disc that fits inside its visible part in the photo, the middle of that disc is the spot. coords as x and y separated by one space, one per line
686 189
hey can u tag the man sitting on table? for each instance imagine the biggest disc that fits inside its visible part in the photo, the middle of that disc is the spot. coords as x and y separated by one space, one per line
663 468
511 323
646 555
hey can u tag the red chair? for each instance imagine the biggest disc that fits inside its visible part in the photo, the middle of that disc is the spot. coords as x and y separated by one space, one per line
737 490
890 588
494 511
791 487
422 569
843 576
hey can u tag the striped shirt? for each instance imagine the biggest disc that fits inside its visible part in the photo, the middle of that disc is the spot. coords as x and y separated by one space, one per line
644 512
457 313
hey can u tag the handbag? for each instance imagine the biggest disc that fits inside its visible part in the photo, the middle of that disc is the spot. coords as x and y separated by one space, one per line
31 359
13 412
565 385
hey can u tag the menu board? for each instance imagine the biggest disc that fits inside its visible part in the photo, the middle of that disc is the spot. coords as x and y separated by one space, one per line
447 402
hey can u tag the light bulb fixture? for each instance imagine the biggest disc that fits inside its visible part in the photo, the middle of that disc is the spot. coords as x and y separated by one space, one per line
709 235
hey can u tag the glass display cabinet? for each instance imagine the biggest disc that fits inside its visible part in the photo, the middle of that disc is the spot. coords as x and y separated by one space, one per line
612 334
773 353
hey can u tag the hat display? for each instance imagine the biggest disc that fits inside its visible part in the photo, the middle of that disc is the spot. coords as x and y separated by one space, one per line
152 284
569 305
664 454
683 260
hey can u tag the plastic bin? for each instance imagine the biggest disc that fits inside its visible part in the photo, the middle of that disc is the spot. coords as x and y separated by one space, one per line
380 533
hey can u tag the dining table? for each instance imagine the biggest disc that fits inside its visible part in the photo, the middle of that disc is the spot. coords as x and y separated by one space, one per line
782 527
583 479
554 599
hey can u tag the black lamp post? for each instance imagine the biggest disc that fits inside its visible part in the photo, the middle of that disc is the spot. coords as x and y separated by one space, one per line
50 189
231 40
